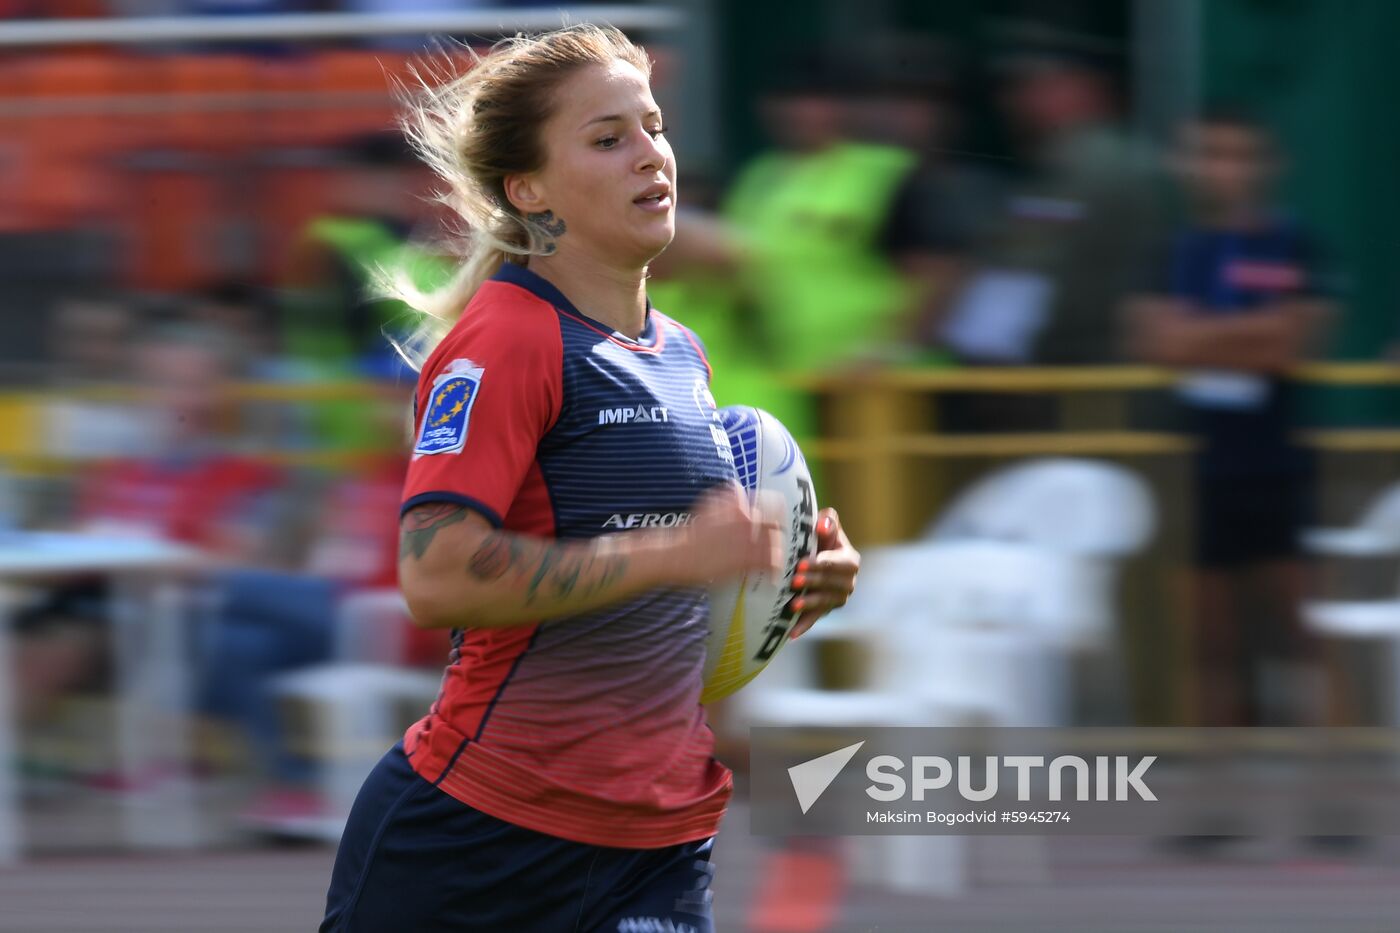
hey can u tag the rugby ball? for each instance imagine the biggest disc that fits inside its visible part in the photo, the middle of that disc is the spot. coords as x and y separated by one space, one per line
749 619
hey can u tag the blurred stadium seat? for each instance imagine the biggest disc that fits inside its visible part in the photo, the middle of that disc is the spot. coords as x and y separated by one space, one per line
347 712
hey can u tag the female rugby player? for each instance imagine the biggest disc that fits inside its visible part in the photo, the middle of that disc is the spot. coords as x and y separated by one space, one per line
570 498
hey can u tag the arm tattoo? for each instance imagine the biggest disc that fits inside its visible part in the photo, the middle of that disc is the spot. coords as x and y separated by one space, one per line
497 554
547 560
422 524
613 569
549 571
567 576
568 571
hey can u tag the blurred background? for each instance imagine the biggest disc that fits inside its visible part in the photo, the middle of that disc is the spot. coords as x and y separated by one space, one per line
1084 312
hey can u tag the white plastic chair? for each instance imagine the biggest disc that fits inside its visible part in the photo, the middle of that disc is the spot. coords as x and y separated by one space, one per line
355 704
1376 535
951 631
977 617
956 632
972 625
1069 506
988 639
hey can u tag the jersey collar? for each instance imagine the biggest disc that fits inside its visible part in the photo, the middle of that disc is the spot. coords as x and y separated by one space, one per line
516 274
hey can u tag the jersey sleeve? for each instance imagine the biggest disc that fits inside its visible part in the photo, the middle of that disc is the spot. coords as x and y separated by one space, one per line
488 395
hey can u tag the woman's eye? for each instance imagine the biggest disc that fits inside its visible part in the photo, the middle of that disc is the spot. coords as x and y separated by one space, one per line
660 130
607 142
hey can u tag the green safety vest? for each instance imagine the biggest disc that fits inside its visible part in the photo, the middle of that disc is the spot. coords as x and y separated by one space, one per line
814 289
315 331
812 225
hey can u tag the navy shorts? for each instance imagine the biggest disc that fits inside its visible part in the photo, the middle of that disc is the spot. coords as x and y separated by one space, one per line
1250 518
415 858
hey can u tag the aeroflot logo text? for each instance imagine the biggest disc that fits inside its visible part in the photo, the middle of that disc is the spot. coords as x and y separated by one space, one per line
1104 779
647 519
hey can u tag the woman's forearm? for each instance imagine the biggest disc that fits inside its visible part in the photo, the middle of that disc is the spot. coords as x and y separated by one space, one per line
457 571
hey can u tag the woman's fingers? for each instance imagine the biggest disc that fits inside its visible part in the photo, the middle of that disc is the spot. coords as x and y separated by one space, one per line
807 619
833 580
834 571
827 579
809 607
803 623
820 603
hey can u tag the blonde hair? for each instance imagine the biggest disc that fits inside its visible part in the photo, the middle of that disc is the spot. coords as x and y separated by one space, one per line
476 120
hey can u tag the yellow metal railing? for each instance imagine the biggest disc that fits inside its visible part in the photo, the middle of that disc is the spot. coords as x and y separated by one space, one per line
25 444
879 420
1078 378
882 444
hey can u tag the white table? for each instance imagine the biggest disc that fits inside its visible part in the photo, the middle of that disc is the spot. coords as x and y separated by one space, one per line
151 671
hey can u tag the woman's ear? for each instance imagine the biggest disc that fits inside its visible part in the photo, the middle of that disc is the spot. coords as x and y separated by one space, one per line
525 193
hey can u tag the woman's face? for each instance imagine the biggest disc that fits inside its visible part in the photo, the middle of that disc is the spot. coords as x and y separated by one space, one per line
609 174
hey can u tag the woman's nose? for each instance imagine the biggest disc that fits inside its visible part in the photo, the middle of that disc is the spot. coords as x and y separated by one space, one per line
653 154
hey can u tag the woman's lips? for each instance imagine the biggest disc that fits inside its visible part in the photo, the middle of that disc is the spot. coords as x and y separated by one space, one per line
655 205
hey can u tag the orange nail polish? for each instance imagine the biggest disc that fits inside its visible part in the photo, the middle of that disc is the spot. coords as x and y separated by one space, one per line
799 582
804 565
797 604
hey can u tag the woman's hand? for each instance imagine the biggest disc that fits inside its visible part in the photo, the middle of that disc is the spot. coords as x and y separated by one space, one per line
826 580
727 538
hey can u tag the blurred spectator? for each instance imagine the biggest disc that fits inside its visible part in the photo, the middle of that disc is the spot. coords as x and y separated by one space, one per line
268 622
812 213
811 286
247 317
334 317
1236 300
1072 226
91 337
271 621
335 325
185 487
908 100
93 414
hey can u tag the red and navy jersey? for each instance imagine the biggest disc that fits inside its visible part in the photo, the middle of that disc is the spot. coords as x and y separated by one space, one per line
550 423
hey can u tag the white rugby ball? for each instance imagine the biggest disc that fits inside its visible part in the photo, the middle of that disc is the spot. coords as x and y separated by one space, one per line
749 620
